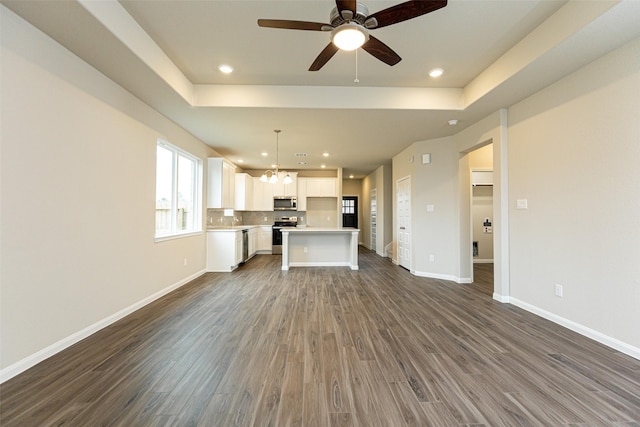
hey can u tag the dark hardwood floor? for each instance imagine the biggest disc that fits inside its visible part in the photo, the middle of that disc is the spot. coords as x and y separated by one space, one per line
483 278
328 347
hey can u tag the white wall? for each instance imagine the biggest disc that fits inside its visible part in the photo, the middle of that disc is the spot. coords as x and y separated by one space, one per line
78 191
574 151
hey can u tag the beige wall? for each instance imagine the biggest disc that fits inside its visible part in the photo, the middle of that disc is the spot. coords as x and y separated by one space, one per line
574 150
78 205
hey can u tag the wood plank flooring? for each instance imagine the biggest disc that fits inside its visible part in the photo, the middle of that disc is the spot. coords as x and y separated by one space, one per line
328 347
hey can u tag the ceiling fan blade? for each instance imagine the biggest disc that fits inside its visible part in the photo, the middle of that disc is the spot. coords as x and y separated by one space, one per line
404 11
292 25
324 57
346 5
381 51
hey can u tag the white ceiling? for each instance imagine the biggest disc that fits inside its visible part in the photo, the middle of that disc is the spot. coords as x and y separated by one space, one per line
494 54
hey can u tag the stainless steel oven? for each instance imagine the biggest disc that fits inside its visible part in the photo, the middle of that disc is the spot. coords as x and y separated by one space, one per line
278 224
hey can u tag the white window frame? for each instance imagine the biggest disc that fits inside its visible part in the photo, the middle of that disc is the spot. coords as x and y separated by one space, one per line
174 232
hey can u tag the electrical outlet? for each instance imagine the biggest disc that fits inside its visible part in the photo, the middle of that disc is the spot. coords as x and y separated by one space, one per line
305 250
185 262
432 257
559 290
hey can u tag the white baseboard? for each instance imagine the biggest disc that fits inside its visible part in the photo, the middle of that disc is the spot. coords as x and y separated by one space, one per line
32 360
581 329
442 276
482 261
500 298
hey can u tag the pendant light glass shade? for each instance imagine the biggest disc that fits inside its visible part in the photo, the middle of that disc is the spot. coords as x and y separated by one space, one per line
271 176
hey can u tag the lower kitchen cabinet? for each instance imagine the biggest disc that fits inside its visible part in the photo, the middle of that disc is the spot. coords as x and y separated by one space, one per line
264 239
253 241
224 249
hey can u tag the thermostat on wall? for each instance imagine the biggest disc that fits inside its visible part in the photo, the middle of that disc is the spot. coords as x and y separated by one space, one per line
426 158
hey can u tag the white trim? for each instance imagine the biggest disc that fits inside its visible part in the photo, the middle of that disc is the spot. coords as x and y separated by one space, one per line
500 298
581 329
322 264
442 276
178 236
37 357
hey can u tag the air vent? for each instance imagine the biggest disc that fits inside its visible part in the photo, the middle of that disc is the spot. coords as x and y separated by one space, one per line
301 154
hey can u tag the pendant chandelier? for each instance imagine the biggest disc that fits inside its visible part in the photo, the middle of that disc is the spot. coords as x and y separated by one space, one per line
271 176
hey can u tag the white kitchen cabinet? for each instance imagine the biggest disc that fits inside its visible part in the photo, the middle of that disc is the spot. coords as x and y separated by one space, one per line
221 182
302 194
244 192
289 190
262 195
264 239
224 250
253 240
321 187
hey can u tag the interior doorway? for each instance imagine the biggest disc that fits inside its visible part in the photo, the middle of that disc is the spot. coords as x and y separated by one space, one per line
403 195
482 220
350 211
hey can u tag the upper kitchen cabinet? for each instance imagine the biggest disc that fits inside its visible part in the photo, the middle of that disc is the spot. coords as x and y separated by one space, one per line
321 187
221 183
281 189
244 192
262 195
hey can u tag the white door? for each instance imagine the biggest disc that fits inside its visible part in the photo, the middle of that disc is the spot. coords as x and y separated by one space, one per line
403 194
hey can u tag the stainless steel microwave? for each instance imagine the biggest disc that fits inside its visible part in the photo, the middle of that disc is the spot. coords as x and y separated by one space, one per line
285 203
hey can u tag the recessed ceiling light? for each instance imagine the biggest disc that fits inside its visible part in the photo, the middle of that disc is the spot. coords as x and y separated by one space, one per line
227 69
264 154
436 72
323 166
303 163
240 161
325 154
452 122
351 176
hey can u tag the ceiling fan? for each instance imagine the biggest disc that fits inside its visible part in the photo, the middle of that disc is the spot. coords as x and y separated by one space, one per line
350 25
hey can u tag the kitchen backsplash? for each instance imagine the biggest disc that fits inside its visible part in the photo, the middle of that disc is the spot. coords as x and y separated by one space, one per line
215 217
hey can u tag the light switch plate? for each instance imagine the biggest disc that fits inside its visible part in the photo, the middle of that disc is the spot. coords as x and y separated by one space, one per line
430 208
521 204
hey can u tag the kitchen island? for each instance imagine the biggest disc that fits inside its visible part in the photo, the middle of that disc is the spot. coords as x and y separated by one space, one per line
320 247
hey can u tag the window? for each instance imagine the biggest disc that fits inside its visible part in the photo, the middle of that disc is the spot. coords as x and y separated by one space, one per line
348 206
178 195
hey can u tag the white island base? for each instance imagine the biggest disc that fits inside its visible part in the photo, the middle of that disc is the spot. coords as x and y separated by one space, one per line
320 247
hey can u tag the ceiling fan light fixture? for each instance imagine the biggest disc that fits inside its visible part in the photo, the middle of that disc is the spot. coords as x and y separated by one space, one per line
349 36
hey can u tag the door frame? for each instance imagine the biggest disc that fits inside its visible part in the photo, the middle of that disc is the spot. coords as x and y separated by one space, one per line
397 227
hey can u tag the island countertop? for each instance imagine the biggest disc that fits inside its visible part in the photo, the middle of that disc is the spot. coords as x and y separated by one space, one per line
320 229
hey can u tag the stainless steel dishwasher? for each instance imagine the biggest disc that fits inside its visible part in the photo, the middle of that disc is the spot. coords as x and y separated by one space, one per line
245 245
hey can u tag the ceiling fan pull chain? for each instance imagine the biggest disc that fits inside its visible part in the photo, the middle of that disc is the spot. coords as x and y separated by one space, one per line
356 79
